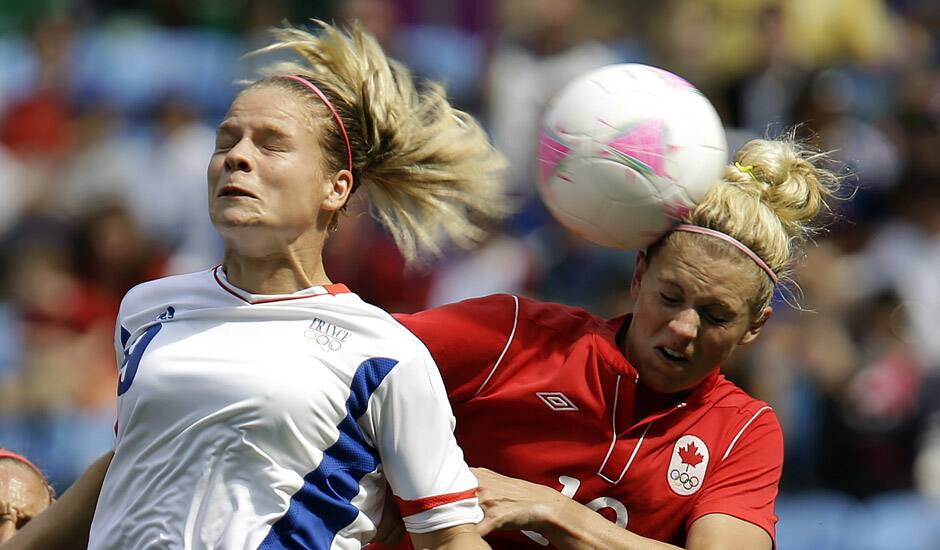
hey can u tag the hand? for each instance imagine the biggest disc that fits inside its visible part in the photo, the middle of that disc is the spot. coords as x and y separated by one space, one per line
391 528
511 503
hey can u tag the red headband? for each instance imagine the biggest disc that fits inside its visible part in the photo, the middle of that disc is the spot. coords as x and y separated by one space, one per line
731 240
329 106
4 453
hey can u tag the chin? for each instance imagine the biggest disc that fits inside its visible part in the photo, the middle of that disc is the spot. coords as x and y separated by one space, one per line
235 218
663 378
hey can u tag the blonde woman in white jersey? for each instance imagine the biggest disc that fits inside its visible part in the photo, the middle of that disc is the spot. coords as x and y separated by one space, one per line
260 405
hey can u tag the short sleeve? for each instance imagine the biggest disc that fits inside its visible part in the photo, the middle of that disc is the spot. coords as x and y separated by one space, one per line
467 339
746 481
412 426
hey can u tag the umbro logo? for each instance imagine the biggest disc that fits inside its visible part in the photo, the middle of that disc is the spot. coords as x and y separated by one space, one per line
556 401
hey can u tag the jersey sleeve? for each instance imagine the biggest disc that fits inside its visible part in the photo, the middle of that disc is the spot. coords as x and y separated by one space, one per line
745 483
412 425
467 339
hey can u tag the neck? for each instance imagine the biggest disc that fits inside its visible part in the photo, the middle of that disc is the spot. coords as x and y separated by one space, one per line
649 401
275 273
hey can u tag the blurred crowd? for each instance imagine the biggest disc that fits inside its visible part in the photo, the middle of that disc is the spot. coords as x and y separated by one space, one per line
107 110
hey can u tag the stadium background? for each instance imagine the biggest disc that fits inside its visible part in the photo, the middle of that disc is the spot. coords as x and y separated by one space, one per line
107 111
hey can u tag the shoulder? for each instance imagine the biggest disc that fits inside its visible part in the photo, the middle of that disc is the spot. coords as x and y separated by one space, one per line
559 317
381 329
502 314
745 420
480 342
465 310
731 399
173 285
156 295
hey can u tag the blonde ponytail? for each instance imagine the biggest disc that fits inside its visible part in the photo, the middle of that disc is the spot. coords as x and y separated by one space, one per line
429 170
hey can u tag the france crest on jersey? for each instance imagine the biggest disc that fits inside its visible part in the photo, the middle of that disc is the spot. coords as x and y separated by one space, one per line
249 421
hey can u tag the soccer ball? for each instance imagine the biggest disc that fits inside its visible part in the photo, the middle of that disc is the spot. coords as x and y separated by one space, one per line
625 150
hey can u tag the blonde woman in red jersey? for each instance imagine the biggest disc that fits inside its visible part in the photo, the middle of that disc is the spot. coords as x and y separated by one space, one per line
622 433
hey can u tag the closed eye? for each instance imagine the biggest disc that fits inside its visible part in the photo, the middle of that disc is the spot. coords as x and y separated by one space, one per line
224 142
667 299
275 142
716 319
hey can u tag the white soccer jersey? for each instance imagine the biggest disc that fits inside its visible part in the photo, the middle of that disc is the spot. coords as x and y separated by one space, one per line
249 421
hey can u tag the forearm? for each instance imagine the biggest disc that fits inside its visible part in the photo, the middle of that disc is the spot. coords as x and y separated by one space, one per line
461 537
66 523
573 526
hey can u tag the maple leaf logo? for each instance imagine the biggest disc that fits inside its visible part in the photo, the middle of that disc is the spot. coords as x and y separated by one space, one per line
690 456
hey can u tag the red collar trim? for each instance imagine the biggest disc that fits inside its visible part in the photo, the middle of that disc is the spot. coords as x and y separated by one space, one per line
247 297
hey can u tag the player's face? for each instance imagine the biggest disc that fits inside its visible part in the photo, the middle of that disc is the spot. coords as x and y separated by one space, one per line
691 312
22 497
267 171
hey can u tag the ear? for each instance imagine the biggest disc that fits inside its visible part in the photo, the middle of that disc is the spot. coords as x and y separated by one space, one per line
339 188
639 270
755 327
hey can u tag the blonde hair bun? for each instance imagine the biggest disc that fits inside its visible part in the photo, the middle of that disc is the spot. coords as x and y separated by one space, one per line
769 200
788 177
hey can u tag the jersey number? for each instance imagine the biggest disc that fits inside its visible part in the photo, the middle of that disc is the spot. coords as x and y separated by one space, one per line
132 360
569 486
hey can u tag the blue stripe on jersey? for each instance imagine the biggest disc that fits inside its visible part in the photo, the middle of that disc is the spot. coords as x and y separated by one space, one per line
323 506
132 360
125 335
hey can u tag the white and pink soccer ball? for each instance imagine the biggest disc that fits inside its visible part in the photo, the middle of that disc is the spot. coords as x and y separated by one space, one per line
626 150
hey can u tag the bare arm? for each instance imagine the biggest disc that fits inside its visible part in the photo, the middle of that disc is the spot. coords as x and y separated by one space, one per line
459 537
512 503
66 523
728 533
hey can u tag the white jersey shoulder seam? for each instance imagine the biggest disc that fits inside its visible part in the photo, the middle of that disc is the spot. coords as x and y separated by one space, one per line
734 441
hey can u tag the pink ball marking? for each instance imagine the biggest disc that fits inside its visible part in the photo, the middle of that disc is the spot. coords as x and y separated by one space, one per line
644 144
676 210
551 152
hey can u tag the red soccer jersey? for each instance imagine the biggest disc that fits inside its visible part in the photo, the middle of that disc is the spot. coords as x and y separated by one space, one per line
541 392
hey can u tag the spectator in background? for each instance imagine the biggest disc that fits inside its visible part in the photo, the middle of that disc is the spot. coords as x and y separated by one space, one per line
24 493
56 401
112 253
38 122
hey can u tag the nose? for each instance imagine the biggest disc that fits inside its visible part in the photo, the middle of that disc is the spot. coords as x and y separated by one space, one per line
685 325
238 158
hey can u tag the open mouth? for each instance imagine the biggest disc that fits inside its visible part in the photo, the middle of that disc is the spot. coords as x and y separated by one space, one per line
671 355
235 191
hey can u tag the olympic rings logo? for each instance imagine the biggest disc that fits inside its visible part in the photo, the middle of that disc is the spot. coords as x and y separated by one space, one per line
687 481
326 343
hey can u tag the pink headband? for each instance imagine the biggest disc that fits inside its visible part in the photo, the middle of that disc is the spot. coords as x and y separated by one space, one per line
731 240
329 106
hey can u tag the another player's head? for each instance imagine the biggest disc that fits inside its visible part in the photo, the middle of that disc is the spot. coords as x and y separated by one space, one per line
296 144
24 493
706 287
